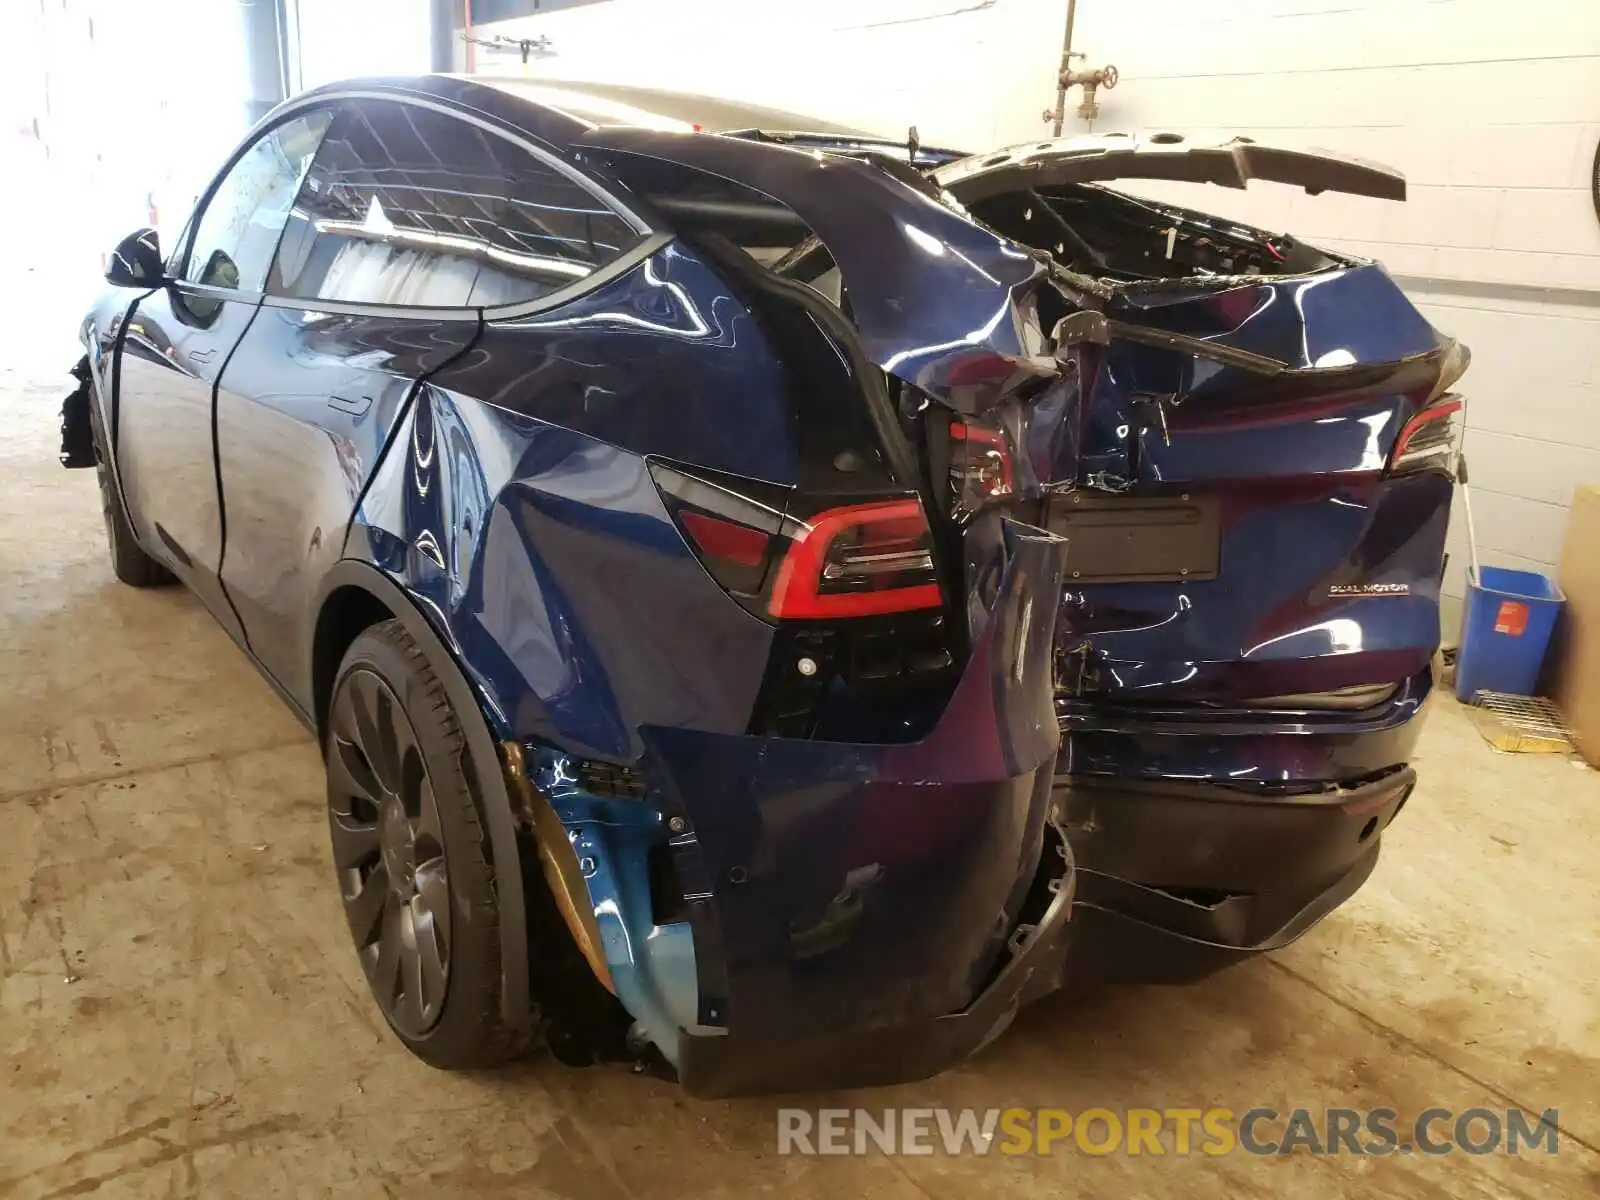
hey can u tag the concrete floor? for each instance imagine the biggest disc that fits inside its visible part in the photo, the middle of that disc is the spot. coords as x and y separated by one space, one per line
181 1014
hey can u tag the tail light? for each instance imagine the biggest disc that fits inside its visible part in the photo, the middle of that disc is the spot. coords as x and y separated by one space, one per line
1431 440
981 465
853 560
858 561
724 541
730 524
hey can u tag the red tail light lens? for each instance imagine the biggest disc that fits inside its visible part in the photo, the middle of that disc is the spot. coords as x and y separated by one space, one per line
858 561
724 540
1431 440
731 527
855 560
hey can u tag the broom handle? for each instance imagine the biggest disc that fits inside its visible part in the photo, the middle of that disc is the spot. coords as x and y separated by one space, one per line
1466 506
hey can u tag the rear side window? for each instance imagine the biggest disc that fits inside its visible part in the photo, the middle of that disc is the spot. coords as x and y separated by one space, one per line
239 227
409 206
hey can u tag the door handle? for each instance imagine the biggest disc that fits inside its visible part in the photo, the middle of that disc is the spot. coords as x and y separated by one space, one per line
355 407
202 356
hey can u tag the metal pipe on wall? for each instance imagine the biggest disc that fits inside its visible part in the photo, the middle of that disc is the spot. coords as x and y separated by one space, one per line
1059 115
1091 80
261 29
442 34
287 13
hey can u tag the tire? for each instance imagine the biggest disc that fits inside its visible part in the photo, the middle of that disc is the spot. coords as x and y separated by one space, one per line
129 563
412 855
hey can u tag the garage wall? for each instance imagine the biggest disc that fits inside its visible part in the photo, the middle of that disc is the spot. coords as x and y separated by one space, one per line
95 137
1492 110
342 39
885 64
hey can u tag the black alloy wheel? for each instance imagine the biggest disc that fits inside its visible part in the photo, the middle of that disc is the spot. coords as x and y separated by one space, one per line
388 849
412 854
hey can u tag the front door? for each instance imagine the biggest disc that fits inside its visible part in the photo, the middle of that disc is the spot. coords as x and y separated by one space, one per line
177 343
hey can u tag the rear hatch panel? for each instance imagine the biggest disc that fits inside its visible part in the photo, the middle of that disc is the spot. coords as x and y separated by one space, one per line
1167 156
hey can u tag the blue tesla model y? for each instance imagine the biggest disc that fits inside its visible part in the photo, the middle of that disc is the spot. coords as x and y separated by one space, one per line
774 600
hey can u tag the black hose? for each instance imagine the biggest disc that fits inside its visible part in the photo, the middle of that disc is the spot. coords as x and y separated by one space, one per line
1594 182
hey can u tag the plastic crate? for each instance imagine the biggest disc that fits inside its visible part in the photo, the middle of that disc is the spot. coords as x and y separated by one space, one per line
1505 629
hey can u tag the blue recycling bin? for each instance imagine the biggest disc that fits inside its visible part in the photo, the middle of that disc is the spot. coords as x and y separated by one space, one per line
1505 628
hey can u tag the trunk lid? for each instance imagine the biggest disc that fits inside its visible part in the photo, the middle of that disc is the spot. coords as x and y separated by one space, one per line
1170 156
1237 534
1307 567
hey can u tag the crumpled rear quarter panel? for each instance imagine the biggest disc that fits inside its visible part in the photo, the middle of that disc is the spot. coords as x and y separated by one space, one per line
546 559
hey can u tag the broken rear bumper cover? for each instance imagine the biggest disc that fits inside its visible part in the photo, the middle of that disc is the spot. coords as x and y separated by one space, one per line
716 1062
853 914
1180 879
871 913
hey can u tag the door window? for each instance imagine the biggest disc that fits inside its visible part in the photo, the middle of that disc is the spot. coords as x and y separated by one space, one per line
238 230
406 205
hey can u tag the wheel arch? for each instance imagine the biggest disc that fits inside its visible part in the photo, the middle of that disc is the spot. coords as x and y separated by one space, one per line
103 413
343 613
355 595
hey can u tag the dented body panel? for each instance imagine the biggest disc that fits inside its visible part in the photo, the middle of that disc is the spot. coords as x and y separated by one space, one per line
845 892
811 563
929 290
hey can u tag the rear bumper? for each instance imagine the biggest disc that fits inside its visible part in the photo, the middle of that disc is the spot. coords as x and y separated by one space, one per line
723 1062
1178 879
865 913
1296 748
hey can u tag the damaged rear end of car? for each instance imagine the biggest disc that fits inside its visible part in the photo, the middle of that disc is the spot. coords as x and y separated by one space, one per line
1096 611
872 875
1256 522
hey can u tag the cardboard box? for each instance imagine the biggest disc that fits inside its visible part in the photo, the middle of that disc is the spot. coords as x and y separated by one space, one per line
1574 659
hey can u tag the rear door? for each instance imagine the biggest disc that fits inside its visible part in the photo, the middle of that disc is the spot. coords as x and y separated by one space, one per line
413 219
178 340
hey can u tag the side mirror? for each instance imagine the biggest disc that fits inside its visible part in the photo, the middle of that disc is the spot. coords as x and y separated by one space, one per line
136 262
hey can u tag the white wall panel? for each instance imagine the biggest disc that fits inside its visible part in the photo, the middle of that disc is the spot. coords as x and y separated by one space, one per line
339 39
